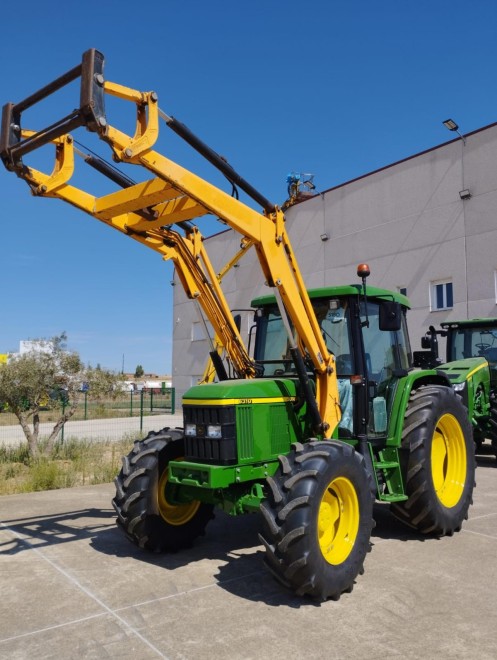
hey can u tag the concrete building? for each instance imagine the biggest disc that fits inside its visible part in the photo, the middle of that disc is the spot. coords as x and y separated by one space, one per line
426 225
36 346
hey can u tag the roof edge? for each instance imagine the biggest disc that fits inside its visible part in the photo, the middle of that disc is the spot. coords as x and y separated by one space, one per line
398 162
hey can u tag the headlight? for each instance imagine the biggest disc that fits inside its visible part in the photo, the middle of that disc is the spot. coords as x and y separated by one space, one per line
458 387
214 431
191 429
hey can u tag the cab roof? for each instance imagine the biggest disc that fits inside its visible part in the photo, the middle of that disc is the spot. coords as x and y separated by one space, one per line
471 323
342 291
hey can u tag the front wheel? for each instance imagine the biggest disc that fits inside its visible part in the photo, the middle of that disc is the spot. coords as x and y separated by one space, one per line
317 519
441 466
143 511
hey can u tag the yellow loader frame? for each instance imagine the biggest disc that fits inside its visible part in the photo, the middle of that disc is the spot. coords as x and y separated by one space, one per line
173 196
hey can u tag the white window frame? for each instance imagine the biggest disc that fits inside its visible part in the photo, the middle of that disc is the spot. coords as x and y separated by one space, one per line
434 295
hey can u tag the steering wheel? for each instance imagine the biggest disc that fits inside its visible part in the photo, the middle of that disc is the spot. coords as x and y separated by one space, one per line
483 347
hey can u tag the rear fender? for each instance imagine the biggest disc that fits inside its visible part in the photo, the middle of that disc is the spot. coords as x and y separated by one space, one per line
405 386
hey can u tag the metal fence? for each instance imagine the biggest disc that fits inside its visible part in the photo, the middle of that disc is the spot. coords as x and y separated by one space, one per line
135 404
132 413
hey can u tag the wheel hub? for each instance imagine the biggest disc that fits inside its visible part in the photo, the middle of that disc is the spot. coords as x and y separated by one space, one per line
174 514
448 460
338 520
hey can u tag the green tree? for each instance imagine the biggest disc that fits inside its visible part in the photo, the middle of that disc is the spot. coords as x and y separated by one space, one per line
139 371
45 377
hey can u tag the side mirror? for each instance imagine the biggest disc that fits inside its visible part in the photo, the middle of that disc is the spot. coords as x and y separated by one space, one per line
425 342
390 316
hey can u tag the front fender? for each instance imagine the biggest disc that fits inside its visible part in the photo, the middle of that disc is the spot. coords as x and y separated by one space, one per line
471 379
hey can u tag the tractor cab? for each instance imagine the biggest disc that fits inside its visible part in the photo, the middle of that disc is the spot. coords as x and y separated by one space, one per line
473 338
368 336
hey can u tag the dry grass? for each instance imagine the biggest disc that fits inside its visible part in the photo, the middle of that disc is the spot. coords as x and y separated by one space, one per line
76 462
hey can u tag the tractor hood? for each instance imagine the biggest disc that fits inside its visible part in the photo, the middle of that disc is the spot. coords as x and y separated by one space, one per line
460 371
255 390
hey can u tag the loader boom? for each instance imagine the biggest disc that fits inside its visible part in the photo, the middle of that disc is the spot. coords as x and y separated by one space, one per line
147 211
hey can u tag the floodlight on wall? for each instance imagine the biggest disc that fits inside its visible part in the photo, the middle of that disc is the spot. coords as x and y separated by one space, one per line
452 126
464 194
324 237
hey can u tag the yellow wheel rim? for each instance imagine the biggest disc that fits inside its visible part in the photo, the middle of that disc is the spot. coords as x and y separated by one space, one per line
174 514
448 460
338 520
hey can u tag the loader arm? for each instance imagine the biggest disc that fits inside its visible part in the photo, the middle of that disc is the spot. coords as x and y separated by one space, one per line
146 212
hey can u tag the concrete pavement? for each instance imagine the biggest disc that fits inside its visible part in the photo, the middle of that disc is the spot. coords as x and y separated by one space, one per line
72 587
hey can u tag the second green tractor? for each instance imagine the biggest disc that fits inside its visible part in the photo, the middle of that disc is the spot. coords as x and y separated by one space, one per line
474 340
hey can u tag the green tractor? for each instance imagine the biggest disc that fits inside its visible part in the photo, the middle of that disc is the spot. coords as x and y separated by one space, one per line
248 445
476 340
326 414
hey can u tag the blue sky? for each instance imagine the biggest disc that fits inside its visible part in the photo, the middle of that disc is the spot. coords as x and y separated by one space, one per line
333 88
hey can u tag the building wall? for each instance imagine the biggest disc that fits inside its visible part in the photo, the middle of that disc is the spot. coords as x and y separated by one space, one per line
407 221
240 285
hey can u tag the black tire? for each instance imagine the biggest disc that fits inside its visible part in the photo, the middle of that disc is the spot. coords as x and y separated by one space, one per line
317 519
440 474
140 502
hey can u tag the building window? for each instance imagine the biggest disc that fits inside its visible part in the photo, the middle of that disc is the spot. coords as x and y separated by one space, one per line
442 296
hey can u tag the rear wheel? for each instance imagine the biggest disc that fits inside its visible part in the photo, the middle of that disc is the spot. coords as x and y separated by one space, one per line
441 466
143 510
317 519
